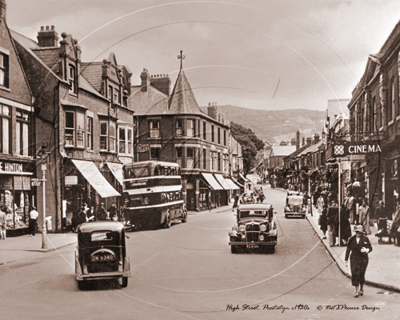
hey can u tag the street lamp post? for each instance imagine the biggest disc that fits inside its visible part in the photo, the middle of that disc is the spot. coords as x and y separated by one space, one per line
44 231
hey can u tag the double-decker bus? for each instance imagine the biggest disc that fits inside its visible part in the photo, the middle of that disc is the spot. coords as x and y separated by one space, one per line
152 193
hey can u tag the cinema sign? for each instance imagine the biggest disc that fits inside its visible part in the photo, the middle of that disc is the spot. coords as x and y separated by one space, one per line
344 149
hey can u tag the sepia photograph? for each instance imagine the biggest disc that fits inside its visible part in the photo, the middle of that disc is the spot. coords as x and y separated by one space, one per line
199 159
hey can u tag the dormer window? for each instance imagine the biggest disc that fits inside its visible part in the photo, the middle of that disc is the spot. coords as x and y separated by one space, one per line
4 70
72 77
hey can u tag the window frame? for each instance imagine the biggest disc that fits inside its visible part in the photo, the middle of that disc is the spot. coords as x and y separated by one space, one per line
191 128
151 153
204 130
72 129
72 78
21 147
103 135
212 133
5 140
89 133
179 127
154 129
5 69
112 139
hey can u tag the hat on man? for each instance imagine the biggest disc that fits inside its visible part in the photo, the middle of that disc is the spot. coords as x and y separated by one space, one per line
359 228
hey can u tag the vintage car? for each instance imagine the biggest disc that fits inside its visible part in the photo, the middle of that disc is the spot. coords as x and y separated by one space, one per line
255 228
101 253
294 206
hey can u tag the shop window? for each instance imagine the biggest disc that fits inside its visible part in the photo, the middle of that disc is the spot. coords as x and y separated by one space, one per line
4 70
103 135
89 133
22 133
72 77
190 128
112 136
178 128
154 126
155 153
190 158
69 128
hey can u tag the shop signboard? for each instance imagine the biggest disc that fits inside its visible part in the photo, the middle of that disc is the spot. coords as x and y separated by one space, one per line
71 180
143 147
345 148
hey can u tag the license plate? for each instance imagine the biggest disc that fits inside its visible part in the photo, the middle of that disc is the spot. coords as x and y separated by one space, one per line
252 246
104 257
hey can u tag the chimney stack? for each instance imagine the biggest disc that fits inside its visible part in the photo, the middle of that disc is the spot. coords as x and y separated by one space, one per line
309 140
48 37
145 76
3 12
316 138
297 140
161 82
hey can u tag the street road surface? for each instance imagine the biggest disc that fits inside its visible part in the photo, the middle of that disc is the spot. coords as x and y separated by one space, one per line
188 272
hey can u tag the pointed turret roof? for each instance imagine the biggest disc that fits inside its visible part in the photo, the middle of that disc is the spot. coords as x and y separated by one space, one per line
182 99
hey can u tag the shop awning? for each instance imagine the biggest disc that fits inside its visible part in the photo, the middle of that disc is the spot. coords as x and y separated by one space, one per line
231 184
211 181
221 181
116 169
95 178
243 177
239 184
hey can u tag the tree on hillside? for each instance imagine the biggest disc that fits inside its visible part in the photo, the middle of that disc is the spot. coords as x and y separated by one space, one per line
250 145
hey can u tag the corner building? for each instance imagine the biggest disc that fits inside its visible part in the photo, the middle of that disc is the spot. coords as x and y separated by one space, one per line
172 127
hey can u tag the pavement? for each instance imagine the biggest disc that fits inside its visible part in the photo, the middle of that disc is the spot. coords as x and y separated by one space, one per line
383 269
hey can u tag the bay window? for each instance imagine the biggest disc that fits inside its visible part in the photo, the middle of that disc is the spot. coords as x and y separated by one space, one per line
89 133
178 128
179 155
113 135
103 135
69 128
125 142
190 128
80 125
190 158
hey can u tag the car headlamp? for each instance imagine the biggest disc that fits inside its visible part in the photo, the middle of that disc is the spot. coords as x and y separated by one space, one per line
242 228
263 228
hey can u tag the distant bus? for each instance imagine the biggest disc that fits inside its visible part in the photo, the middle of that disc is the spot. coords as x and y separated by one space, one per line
152 193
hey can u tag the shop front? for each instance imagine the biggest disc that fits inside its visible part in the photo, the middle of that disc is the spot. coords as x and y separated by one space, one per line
84 183
15 196
212 195
223 196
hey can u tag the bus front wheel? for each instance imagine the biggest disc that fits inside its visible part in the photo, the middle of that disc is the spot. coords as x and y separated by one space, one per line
167 223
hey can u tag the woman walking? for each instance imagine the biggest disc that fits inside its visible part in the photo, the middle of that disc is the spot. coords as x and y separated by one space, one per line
358 248
322 221
364 217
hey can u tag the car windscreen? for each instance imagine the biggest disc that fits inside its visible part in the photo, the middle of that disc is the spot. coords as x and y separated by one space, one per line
252 213
295 200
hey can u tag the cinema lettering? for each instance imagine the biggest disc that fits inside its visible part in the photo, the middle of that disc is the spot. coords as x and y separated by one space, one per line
349 148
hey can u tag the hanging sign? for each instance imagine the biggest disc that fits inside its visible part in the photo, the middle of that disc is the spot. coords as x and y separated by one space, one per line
344 149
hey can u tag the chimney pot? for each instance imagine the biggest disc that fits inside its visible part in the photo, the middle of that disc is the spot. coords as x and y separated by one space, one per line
47 28
52 28
42 28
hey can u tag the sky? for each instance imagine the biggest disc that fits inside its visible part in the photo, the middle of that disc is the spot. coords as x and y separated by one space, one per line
260 54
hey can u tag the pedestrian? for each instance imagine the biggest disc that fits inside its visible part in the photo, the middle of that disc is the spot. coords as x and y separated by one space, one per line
363 213
396 220
81 216
333 223
113 212
33 216
236 203
102 213
380 211
345 228
320 204
351 207
209 201
261 197
322 221
358 248
2 225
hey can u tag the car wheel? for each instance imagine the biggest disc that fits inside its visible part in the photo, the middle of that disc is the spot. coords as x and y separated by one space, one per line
303 217
380 241
184 218
167 220
396 241
81 285
286 216
234 249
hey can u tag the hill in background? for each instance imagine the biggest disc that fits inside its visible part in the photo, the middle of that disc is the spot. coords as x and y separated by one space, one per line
274 126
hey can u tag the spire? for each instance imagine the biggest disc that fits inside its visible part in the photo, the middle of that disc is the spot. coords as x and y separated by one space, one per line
181 57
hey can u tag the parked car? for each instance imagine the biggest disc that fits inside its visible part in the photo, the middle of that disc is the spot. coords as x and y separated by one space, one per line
101 253
255 228
295 206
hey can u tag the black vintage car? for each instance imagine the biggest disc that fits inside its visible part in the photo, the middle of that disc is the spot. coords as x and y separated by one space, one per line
101 253
254 228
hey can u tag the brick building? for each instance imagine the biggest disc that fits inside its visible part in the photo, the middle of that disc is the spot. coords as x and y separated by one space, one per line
82 120
172 127
16 132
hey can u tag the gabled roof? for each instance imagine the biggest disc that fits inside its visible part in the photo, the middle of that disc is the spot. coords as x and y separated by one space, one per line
149 102
310 149
182 99
279 151
92 71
